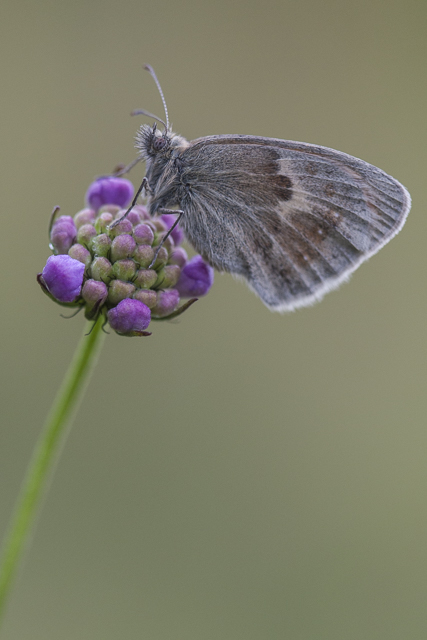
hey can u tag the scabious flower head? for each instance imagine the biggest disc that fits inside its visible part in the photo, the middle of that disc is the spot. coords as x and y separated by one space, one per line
119 270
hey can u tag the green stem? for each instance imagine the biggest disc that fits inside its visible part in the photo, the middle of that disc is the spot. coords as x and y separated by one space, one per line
45 452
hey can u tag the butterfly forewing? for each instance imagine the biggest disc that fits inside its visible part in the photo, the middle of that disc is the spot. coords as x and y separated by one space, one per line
293 219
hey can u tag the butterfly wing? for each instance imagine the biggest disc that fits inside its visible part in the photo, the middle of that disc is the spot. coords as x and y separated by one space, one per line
293 219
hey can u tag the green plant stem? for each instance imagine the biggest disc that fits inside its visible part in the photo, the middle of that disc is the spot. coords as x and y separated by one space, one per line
45 453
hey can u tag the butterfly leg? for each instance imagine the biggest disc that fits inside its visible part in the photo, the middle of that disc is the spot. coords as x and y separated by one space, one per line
144 185
162 210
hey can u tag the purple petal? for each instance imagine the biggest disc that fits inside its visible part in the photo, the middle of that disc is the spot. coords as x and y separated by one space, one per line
63 277
196 278
129 315
103 191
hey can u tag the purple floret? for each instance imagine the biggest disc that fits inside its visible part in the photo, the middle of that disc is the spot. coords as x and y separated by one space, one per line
110 190
129 316
196 278
63 277
63 234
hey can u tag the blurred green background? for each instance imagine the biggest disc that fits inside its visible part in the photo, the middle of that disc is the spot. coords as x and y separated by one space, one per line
240 474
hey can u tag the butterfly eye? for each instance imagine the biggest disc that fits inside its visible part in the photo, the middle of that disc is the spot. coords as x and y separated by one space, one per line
159 143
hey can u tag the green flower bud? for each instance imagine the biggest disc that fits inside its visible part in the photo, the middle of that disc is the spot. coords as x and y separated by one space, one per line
143 234
103 221
162 258
119 290
147 296
80 253
145 278
101 269
168 244
124 269
85 216
167 302
101 245
168 276
85 234
159 225
94 293
125 226
122 247
110 208
143 255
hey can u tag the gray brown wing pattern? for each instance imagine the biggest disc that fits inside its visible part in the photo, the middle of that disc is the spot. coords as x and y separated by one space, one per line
293 219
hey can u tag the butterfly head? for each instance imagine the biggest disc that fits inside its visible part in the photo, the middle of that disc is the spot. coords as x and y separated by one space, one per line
153 142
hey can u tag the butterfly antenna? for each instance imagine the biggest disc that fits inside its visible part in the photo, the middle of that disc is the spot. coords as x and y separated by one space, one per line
150 70
143 112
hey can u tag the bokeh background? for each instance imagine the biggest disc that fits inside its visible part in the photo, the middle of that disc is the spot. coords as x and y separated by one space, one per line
240 474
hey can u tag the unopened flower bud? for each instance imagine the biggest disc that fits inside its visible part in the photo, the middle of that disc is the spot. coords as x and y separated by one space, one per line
129 317
101 245
63 234
80 253
143 255
196 278
109 190
85 216
110 208
145 278
143 234
162 258
103 221
147 296
133 216
94 293
177 234
179 257
101 269
85 234
63 277
124 227
167 301
168 276
167 243
159 225
122 247
142 211
119 290
124 269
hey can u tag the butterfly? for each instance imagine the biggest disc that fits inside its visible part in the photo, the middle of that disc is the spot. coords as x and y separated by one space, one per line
292 219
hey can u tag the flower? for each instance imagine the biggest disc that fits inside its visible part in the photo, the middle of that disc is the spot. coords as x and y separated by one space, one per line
120 272
63 277
109 190
167 302
129 317
94 293
63 234
196 278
